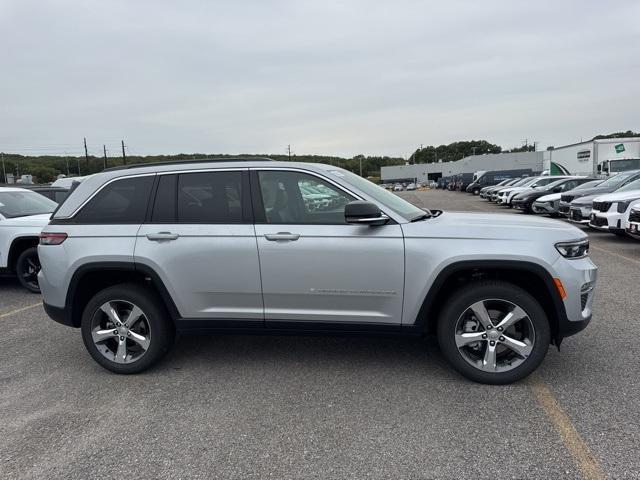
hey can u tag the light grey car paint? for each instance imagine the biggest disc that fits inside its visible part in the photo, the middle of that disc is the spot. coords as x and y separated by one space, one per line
345 273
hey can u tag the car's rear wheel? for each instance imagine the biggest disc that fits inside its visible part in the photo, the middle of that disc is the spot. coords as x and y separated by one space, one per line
27 269
125 329
493 332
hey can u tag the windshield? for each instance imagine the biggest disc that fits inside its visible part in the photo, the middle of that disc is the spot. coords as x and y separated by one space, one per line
592 183
391 200
22 203
524 182
555 184
635 185
618 179
543 181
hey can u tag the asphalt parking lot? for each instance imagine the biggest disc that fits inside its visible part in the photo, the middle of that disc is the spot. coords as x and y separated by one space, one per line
309 407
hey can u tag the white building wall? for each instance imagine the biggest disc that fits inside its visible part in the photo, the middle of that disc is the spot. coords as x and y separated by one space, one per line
471 164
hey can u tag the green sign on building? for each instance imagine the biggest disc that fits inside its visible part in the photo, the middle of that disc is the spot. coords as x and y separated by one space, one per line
619 148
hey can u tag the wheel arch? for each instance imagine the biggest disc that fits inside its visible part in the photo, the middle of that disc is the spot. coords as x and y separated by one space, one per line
90 278
529 276
18 245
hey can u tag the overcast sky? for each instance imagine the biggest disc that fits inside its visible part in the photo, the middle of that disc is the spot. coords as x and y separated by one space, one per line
327 77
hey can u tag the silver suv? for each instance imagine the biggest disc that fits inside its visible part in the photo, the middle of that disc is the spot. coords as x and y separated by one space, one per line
135 254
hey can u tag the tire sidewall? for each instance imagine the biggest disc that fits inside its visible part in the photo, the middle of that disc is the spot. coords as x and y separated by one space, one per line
461 300
160 328
29 252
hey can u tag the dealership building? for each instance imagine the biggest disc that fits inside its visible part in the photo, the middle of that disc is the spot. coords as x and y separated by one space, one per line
491 161
594 157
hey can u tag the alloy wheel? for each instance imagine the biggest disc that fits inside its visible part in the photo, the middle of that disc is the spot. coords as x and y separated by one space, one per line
30 269
494 335
121 331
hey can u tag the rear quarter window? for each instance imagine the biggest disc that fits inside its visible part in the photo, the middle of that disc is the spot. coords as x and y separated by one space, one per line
120 202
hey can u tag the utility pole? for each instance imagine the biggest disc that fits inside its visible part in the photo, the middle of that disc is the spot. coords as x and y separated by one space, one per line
124 155
289 151
104 149
86 156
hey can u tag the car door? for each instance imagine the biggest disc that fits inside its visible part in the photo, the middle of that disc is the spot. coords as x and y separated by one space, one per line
200 240
314 266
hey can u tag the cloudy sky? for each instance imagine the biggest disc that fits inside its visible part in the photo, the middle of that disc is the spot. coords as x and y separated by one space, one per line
327 77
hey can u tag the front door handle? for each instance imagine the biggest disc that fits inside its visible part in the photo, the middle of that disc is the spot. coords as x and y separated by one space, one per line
282 237
162 236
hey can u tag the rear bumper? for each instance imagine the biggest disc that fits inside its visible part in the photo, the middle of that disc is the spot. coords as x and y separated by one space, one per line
57 314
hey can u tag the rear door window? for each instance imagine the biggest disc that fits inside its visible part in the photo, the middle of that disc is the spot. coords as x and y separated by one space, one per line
120 202
211 197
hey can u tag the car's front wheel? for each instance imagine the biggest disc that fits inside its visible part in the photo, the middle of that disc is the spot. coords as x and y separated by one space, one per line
27 269
493 332
125 329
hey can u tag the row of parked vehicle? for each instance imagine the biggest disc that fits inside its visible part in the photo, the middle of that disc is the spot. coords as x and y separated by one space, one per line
611 204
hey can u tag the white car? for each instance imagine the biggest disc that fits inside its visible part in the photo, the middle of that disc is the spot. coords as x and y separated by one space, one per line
609 210
412 186
398 187
506 195
23 213
631 221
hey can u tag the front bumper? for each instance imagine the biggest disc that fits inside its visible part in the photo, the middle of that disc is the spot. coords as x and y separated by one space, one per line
633 229
606 221
521 204
544 207
578 278
580 215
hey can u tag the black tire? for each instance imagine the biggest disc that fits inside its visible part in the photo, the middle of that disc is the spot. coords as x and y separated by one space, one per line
161 328
458 304
27 268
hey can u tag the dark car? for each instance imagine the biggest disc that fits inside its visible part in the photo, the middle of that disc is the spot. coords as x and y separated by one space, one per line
496 177
611 184
57 194
524 200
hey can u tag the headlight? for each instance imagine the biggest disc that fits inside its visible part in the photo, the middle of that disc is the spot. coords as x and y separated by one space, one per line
622 206
576 249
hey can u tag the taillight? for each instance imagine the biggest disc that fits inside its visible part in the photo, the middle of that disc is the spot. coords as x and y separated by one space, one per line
52 238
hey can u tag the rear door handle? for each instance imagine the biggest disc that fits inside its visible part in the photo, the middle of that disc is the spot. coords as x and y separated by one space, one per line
282 237
162 236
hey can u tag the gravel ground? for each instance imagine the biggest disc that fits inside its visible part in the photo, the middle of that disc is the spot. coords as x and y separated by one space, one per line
306 407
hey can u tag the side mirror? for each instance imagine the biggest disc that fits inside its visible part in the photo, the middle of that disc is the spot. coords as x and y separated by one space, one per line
364 213
557 189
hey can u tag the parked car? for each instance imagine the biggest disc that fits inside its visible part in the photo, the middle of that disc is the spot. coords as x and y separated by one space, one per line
505 196
549 204
487 191
609 185
494 177
632 221
412 186
524 200
136 253
23 213
516 183
608 211
398 187
57 194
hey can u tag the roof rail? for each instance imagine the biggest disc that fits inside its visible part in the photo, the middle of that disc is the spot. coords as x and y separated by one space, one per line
180 162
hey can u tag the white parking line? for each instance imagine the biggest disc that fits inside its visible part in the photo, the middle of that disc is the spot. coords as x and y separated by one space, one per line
18 310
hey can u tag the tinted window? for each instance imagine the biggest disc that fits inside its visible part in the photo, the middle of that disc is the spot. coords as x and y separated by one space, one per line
18 203
210 197
122 201
293 197
164 206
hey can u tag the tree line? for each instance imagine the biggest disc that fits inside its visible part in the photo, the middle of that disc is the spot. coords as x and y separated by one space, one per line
46 168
